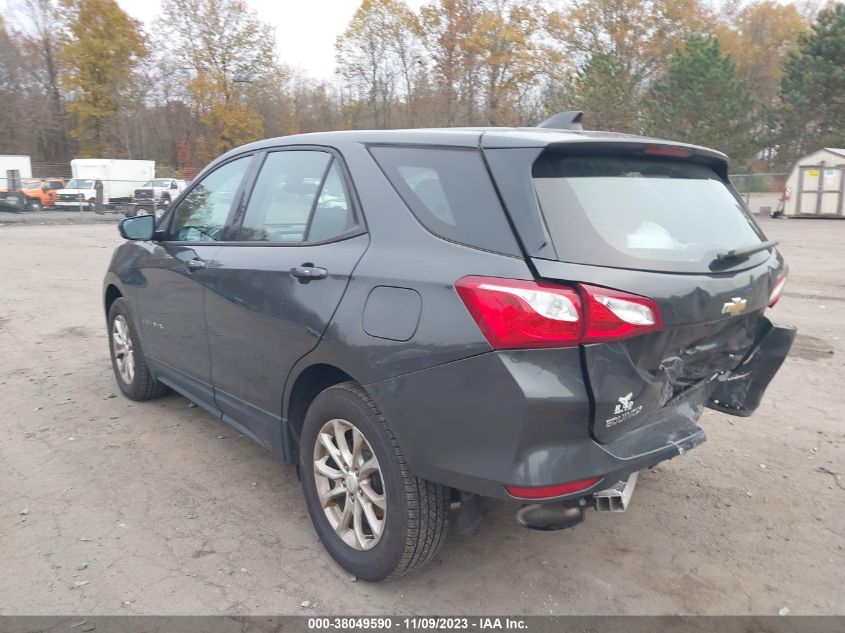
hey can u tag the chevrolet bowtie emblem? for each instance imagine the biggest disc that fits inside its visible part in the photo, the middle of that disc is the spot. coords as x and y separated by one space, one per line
734 306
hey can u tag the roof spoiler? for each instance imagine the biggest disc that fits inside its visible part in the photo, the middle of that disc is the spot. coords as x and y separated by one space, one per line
569 120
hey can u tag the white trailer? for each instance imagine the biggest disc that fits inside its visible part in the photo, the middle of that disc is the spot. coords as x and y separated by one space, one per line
119 179
9 162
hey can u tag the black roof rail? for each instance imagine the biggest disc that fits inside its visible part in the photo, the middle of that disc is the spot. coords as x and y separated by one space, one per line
569 120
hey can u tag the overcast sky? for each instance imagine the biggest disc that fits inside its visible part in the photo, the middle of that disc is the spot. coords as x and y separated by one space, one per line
305 29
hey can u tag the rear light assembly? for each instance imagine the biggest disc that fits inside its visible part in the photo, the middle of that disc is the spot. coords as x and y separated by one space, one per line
613 315
515 313
521 314
667 150
777 289
554 490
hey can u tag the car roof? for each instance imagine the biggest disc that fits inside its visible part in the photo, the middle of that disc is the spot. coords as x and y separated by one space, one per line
486 137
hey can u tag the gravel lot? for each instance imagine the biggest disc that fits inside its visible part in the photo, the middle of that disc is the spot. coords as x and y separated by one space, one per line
114 507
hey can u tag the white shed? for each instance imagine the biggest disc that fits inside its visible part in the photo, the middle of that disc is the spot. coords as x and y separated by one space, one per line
816 186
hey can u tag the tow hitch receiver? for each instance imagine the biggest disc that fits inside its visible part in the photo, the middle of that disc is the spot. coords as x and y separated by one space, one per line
617 497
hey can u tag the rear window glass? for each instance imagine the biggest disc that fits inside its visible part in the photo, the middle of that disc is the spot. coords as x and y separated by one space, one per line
450 193
639 213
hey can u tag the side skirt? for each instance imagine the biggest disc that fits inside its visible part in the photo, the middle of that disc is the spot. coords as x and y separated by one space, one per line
261 426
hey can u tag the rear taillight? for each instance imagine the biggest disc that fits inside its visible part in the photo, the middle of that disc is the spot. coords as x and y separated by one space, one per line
777 289
787 193
555 490
613 315
516 313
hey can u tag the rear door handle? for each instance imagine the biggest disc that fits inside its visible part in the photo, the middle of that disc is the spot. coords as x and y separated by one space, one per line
308 272
196 263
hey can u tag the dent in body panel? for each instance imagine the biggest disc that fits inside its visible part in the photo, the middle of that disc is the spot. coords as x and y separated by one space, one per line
740 391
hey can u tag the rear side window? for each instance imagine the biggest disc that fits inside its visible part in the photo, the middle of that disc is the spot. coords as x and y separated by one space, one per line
640 213
450 193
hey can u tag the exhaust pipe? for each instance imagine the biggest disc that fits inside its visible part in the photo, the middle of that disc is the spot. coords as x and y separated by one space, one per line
617 497
549 517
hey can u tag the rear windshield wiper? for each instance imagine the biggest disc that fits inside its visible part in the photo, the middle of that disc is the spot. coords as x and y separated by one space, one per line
744 251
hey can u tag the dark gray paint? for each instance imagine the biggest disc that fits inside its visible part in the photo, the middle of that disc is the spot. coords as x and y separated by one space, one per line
465 416
392 313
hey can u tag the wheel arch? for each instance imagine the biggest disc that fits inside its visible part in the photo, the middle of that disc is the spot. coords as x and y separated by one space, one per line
309 383
112 294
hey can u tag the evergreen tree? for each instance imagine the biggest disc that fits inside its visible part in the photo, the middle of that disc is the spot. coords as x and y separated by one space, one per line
606 92
702 101
812 92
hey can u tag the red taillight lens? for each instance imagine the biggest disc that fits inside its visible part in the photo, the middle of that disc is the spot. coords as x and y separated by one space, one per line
516 313
555 490
613 315
787 193
777 289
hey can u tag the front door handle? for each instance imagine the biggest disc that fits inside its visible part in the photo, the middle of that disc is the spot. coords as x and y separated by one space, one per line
308 272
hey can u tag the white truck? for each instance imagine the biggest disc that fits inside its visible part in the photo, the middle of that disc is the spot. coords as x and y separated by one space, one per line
155 195
119 179
8 163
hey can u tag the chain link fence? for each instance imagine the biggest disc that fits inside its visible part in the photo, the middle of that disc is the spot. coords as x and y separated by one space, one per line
101 196
762 192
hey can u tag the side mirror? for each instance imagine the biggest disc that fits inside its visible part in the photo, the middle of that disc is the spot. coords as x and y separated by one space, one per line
45 187
173 185
141 227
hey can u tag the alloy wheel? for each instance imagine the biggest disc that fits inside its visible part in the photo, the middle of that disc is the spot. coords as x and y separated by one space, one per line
349 484
124 353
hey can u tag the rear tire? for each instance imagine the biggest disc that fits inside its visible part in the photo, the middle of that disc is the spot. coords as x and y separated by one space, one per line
413 513
130 368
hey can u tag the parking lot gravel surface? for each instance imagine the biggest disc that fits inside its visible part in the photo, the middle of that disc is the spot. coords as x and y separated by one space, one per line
114 507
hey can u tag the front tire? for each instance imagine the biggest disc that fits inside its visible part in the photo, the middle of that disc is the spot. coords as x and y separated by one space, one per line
374 517
130 368
35 205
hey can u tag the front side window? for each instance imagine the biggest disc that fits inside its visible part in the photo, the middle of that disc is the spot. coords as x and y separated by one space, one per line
201 215
298 197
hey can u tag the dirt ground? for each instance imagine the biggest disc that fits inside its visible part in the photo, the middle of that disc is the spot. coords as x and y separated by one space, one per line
114 507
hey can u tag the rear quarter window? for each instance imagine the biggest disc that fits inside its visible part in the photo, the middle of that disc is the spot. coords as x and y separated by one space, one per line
449 191
640 213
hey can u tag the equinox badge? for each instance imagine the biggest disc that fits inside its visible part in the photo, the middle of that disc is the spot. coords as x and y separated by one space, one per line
735 306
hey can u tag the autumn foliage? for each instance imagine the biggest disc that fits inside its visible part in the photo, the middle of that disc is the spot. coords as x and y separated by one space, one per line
760 79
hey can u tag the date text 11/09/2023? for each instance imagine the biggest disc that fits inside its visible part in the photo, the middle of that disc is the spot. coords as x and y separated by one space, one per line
429 623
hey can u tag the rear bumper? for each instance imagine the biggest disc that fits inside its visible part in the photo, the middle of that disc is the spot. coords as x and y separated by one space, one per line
521 418
740 391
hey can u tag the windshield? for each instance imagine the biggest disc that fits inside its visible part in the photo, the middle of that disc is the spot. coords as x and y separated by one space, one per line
158 182
647 214
79 183
31 185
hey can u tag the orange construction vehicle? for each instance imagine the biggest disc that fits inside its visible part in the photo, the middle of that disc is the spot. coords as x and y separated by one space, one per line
41 192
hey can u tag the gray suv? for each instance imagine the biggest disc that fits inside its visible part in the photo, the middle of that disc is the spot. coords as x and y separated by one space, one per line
420 318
